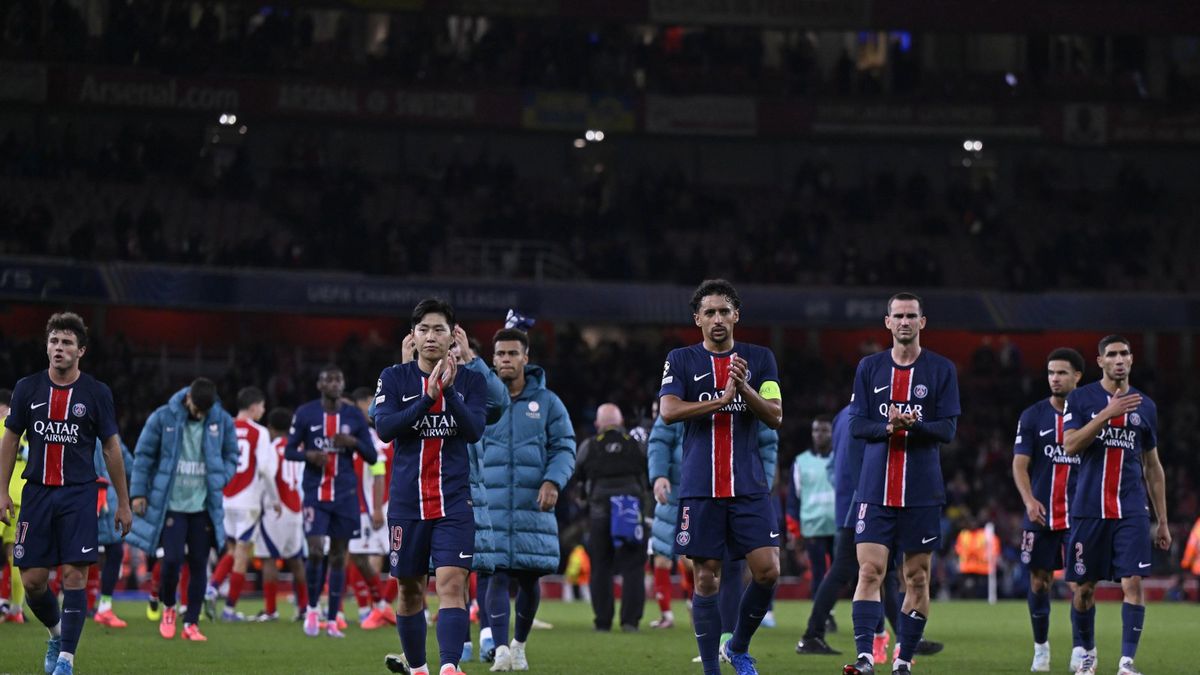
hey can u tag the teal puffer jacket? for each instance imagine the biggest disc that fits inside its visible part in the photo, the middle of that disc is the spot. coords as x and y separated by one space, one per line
533 442
157 453
497 403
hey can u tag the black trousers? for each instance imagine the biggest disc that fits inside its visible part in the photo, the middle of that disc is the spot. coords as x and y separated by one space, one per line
842 571
629 561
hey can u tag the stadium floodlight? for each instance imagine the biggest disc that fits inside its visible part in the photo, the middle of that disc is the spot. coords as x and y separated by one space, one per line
599 135
223 119
968 144
590 135
580 143
977 146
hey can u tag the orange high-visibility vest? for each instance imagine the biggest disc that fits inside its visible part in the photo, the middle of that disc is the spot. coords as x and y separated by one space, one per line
1191 554
972 550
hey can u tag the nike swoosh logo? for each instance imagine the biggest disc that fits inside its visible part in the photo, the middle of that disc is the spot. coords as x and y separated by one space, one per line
774 534
926 540
695 378
464 556
89 549
36 406
315 428
1137 630
496 616
1143 565
700 635
406 399
1045 432
879 389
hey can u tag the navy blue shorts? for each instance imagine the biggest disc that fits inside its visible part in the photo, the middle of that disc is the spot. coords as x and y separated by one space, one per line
903 529
1043 549
725 528
187 535
336 520
58 526
421 545
1107 549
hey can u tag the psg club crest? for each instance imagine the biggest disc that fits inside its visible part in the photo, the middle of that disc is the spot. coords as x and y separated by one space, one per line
79 410
1135 419
683 538
345 428
18 552
395 558
1080 569
920 391
862 525
1025 557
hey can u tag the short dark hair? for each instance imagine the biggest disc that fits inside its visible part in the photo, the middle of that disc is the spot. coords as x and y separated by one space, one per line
68 321
247 397
279 419
511 334
824 417
906 296
1111 339
5 396
203 393
432 306
715 287
330 368
362 394
1069 355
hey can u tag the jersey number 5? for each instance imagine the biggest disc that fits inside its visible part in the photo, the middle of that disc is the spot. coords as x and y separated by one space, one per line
685 518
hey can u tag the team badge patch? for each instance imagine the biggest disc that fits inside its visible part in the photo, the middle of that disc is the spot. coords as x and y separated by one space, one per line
18 551
1135 419
920 391
79 410
395 558
345 428
1080 569
683 538
862 525
1025 557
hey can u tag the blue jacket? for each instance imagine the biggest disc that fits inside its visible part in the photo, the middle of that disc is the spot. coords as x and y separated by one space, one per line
107 532
154 460
847 465
497 404
665 457
533 442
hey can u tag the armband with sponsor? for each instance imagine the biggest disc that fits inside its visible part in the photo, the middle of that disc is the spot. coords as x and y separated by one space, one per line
379 468
770 390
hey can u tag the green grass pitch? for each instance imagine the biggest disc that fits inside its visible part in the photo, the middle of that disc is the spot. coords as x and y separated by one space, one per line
979 640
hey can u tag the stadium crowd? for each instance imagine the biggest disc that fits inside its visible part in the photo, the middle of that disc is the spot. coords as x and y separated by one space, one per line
181 37
152 196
